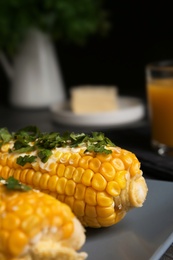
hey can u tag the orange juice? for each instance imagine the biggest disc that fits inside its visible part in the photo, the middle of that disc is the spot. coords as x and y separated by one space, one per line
160 98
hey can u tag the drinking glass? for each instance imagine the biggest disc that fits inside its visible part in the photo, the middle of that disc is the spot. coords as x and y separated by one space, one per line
159 80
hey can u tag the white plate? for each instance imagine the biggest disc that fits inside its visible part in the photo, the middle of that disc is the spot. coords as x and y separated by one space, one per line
144 234
130 110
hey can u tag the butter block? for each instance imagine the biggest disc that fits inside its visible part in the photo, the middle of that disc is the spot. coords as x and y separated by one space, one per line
93 99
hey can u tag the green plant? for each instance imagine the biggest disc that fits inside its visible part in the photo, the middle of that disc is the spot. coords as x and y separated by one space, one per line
66 20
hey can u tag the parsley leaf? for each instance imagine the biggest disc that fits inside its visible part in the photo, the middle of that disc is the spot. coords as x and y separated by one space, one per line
13 184
22 160
5 136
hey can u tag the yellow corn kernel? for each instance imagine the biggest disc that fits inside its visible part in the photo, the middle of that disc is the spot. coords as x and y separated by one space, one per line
98 182
58 155
95 164
60 187
87 177
108 171
5 147
65 157
104 199
5 172
23 175
31 225
108 221
68 173
17 242
2 208
104 157
104 212
135 168
127 159
74 159
69 200
120 178
53 168
113 188
60 170
77 175
117 164
70 187
36 179
29 176
84 161
4 236
90 196
17 173
52 183
67 229
9 221
3 159
24 210
80 191
79 208
90 211
44 181
91 222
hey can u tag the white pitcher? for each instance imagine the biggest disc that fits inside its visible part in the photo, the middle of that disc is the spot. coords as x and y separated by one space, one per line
36 80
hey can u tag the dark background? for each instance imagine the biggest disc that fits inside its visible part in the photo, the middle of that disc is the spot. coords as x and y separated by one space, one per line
141 32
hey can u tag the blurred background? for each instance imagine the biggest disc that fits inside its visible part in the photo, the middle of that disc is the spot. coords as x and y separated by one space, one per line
139 33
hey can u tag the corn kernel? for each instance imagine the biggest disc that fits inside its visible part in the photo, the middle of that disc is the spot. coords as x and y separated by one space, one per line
70 187
5 147
60 170
91 222
87 177
79 208
77 175
23 210
60 187
104 157
120 178
98 182
108 221
17 173
84 161
67 229
104 212
29 176
65 157
53 168
23 175
117 164
108 171
52 182
68 173
4 235
17 242
90 196
57 155
80 191
104 199
10 221
44 180
90 211
135 168
69 200
74 159
5 172
31 225
36 179
95 164
113 188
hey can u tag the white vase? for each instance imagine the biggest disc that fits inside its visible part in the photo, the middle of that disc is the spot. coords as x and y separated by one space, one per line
36 79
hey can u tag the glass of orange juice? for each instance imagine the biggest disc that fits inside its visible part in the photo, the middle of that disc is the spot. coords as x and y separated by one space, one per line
159 80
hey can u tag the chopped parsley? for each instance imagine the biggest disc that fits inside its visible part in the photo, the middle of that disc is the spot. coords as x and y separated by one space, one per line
31 138
12 184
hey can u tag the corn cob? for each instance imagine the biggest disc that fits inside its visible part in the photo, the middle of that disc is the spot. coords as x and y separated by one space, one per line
36 226
98 180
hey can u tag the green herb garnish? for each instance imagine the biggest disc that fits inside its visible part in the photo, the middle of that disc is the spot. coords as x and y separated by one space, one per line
31 139
22 160
13 184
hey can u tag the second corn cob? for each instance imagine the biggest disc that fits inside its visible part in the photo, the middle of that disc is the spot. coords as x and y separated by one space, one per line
99 181
36 226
